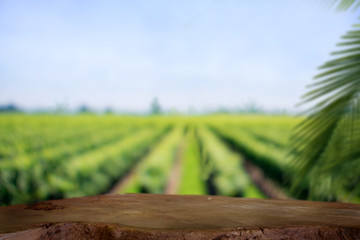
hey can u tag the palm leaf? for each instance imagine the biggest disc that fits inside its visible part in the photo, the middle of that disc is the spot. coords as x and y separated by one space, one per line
326 146
342 5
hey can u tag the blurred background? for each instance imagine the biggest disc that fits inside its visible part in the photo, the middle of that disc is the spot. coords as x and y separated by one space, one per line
177 97
192 56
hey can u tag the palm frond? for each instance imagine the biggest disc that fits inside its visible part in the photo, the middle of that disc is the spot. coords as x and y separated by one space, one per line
342 5
327 143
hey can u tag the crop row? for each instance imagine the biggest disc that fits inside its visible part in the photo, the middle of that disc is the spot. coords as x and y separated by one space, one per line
25 134
152 174
28 134
267 157
224 167
192 179
87 173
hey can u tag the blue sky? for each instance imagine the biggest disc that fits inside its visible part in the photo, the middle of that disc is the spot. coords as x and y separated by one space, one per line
200 54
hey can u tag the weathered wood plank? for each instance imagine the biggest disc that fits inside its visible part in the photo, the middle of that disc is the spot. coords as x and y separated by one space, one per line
147 216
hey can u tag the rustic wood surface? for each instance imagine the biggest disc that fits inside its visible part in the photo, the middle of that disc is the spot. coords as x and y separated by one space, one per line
148 216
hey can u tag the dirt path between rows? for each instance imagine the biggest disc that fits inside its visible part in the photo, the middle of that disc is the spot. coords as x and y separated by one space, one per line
124 181
265 184
174 181
268 187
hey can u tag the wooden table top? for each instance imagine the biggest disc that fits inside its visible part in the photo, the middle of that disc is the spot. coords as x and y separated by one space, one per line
149 216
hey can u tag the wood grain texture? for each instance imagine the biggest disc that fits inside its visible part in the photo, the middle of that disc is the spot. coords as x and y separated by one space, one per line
148 216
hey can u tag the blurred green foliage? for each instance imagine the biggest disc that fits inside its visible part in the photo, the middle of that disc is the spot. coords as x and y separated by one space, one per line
46 157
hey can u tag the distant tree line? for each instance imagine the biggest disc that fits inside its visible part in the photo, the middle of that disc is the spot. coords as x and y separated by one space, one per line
9 108
154 109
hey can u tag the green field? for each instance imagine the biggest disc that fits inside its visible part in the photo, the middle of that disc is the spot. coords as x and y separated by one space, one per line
50 157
